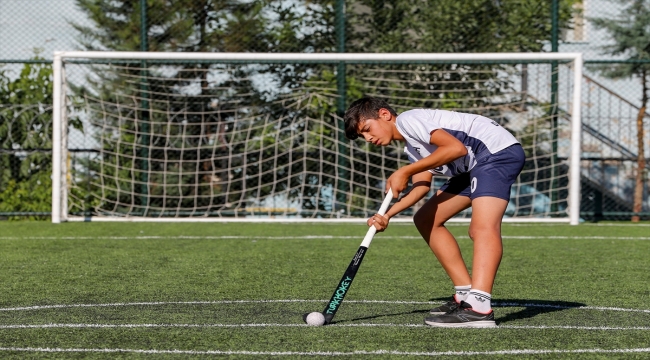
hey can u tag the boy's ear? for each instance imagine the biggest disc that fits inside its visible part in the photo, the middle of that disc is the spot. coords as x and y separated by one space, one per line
384 114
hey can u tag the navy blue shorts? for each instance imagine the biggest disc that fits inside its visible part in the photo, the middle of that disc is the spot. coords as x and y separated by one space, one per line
493 175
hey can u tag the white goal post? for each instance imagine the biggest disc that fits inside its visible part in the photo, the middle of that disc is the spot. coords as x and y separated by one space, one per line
147 136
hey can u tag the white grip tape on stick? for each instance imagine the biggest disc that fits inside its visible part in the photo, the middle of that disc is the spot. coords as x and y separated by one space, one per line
382 210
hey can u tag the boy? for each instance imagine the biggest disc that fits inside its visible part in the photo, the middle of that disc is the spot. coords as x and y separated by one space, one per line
482 160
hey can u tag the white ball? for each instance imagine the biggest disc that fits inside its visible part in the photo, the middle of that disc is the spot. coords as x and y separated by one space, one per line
315 319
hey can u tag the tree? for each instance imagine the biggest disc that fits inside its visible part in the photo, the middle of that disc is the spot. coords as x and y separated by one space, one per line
630 32
453 26
280 26
187 26
25 136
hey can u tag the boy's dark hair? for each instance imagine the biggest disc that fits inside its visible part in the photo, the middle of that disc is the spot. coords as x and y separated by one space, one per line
360 110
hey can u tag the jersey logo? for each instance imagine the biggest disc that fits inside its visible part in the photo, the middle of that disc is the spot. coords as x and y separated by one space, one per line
418 150
441 169
495 123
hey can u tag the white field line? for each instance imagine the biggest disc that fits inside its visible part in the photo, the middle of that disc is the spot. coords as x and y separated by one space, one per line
217 302
581 224
223 302
305 237
623 224
334 353
264 325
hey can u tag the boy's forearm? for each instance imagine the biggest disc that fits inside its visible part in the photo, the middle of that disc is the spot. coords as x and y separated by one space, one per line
408 200
437 158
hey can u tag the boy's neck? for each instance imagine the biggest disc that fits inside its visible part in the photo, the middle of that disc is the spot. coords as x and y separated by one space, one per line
397 136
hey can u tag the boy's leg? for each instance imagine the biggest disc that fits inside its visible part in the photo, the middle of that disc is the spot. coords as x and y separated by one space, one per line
448 253
485 231
430 222
490 184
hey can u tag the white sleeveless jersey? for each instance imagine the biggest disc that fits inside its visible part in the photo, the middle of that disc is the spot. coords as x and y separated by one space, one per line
480 135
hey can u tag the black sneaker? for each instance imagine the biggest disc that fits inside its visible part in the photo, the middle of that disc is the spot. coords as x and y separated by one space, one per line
445 308
462 316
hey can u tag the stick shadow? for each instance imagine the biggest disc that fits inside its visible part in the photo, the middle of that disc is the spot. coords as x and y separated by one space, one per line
420 311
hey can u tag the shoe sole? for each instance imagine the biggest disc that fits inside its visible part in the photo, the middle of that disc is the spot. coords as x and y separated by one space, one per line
470 324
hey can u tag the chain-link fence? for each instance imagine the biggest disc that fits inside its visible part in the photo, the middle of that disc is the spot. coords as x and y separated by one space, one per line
30 31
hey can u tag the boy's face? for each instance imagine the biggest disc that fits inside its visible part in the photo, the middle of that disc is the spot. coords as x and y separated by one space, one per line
377 131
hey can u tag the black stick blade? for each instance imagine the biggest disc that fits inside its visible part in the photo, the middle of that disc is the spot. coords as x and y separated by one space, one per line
344 285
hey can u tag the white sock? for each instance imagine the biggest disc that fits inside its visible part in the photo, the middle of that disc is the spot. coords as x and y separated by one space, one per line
480 300
462 292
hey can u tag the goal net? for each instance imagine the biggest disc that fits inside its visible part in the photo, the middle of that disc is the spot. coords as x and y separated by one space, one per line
192 136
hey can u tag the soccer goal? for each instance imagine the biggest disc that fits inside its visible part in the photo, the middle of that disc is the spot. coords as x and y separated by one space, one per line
258 136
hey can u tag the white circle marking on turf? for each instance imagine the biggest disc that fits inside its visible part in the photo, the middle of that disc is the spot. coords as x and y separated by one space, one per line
217 302
304 237
334 353
262 325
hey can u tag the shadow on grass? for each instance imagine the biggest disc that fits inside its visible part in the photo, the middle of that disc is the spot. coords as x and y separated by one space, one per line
423 311
531 308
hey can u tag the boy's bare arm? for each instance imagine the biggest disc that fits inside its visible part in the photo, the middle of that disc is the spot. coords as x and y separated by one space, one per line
421 187
449 149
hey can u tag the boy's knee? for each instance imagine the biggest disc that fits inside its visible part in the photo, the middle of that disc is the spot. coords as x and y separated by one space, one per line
424 220
475 232
418 218
471 232
422 223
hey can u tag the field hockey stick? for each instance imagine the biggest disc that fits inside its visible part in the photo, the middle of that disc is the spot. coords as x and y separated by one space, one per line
344 285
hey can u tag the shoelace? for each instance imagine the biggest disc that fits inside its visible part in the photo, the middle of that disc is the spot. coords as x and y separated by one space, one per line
459 307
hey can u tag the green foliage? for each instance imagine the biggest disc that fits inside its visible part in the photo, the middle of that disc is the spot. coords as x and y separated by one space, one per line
453 26
189 25
184 25
175 25
631 36
33 194
25 137
273 26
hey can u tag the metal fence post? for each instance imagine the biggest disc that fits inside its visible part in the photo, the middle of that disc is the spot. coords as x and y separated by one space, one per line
343 150
555 13
144 106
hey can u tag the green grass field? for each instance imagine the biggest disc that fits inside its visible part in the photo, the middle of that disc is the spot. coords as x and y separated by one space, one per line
177 291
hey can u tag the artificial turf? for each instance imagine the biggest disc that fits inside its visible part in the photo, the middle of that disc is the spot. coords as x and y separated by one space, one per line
207 290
